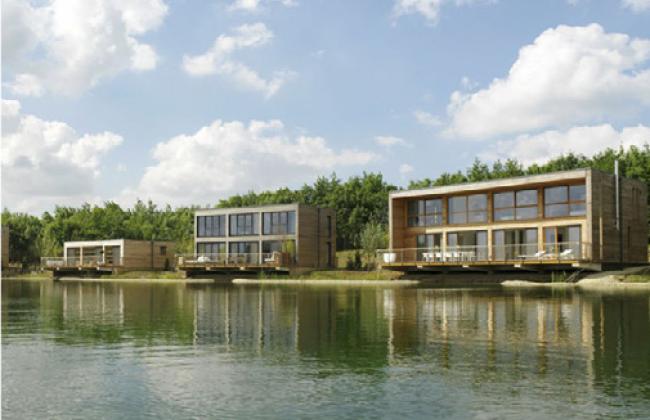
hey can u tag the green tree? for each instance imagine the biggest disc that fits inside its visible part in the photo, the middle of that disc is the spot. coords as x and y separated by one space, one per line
372 237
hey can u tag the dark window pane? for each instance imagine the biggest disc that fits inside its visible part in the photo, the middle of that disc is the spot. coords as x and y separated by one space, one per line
477 202
577 210
458 218
577 193
556 210
504 214
505 199
457 204
477 216
554 195
524 213
526 197
201 227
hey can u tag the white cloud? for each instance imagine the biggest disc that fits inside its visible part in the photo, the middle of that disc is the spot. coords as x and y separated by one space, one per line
217 60
389 141
585 140
637 6
429 9
425 118
69 46
232 157
568 76
405 169
254 6
47 162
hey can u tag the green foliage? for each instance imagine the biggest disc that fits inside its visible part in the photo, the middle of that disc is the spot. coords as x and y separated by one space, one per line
372 237
359 200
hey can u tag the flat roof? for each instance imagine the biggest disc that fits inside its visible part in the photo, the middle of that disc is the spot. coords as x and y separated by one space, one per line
98 242
494 183
251 209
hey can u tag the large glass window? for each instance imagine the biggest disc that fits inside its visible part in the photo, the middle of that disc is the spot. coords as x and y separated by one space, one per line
208 248
563 242
211 226
467 246
243 252
565 200
468 209
519 205
515 244
428 247
244 224
425 212
279 223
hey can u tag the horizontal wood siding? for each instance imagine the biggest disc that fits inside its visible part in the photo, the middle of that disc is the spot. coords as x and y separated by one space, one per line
145 255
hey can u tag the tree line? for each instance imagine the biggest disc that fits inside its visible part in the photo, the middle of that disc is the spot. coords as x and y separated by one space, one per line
361 203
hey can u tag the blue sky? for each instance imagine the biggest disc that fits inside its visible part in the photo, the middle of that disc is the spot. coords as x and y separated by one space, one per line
342 86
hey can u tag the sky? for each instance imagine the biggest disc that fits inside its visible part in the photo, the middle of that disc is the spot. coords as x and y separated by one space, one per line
187 101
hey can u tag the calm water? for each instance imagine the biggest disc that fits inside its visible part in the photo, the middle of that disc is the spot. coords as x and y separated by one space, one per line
87 350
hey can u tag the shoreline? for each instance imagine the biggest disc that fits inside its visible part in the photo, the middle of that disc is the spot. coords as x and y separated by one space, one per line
326 282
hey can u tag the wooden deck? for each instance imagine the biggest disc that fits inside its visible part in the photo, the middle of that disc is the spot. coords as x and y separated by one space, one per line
506 265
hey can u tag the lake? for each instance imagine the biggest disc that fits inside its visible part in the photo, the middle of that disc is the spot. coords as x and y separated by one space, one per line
127 350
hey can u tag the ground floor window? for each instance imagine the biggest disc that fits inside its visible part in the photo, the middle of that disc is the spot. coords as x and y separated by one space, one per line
287 247
563 241
243 252
512 244
469 245
428 247
210 248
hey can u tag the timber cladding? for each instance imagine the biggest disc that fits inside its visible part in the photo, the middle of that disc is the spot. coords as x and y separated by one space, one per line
628 242
315 232
148 255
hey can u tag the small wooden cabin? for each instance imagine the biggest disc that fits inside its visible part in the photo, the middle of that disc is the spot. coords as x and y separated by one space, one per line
113 255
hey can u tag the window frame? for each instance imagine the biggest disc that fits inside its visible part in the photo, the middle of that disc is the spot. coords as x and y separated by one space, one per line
467 212
570 204
515 205
421 216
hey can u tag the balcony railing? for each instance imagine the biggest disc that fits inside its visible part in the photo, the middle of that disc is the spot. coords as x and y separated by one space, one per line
273 259
87 261
526 253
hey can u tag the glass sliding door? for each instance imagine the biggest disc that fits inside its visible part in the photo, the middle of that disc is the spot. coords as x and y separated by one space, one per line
243 252
513 244
563 242
467 246
428 247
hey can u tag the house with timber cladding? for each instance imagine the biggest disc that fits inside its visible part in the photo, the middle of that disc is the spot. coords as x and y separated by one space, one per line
578 219
279 237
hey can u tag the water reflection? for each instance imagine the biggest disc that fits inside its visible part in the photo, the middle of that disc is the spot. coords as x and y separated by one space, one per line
561 343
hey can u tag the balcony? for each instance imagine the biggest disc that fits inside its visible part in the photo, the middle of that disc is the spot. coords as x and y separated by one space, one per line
92 261
476 255
233 260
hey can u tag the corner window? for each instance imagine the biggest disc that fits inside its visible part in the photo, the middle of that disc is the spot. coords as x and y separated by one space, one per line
565 200
279 223
211 226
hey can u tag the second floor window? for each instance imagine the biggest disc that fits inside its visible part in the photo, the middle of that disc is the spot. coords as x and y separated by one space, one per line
425 212
468 209
211 226
511 205
565 200
244 224
279 223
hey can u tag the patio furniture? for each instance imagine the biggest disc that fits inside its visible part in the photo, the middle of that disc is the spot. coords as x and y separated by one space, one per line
390 257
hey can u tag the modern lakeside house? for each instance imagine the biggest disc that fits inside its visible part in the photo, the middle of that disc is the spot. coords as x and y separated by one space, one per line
111 255
274 237
579 219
